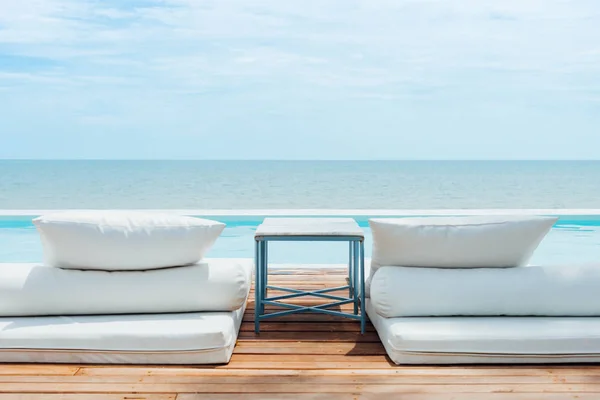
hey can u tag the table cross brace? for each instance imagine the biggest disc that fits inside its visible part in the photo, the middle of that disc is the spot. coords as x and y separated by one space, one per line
300 293
294 308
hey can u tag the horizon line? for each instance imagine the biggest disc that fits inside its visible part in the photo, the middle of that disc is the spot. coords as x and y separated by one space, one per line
313 160
325 212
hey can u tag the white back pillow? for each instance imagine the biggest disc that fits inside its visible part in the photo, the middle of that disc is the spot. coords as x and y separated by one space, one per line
565 291
457 242
212 285
124 240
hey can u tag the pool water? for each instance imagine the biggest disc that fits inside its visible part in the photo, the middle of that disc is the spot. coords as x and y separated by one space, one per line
574 239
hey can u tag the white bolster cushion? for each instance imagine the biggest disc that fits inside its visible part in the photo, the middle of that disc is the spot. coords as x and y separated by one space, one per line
212 285
457 242
524 291
124 240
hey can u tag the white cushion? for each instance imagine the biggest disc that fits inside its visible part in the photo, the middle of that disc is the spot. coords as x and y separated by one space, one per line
124 240
523 291
454 339
158 332
211 285
457 242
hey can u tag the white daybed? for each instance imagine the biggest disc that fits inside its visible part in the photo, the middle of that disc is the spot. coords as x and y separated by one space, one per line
183 315
453 290
472 316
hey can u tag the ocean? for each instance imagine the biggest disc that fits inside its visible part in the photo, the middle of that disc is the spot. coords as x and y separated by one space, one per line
329 186
574 239
299 184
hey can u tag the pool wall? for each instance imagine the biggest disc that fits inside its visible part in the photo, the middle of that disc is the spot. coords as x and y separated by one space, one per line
582 217
574 238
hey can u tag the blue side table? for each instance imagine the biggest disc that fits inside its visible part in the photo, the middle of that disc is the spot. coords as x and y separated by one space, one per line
311 230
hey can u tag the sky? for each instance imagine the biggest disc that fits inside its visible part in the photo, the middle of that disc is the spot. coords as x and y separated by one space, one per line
300 79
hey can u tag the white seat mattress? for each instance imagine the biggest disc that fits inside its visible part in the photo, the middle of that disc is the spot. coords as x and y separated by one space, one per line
210 285
472 340
184 338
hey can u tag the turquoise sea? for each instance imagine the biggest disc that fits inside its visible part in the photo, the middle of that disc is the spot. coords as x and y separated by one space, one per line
299 184
247 185
574 239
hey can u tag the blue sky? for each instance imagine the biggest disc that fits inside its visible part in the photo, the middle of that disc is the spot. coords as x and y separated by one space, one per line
310 79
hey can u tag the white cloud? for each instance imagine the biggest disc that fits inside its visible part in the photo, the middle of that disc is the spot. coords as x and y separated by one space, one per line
169 58
305 40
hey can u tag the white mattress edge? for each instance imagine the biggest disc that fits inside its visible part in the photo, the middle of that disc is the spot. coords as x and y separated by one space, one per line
378 322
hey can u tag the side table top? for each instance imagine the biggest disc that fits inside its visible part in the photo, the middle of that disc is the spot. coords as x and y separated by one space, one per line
309 227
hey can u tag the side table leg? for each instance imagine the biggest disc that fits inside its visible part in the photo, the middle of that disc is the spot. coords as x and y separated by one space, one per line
356 284
265 276
363 316
257 286
351 270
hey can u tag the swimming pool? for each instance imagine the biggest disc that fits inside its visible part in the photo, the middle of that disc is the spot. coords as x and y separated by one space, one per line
574 239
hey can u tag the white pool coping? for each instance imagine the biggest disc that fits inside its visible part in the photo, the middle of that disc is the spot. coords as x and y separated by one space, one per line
344 212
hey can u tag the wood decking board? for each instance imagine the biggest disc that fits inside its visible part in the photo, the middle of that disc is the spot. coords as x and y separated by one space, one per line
87 396
249 379
305 356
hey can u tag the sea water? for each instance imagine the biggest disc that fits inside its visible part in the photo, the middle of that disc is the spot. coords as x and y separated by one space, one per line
572 240
324 185
299 184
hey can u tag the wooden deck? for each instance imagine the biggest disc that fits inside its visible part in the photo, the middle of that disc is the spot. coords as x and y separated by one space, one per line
300 357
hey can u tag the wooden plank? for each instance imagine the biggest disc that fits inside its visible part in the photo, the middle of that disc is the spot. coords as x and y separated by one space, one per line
86 396
307 275
267 347
297 273
388 372
260 364
311 336
305 379
305 317
295 388
315 358
276 326
405 396
37 369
